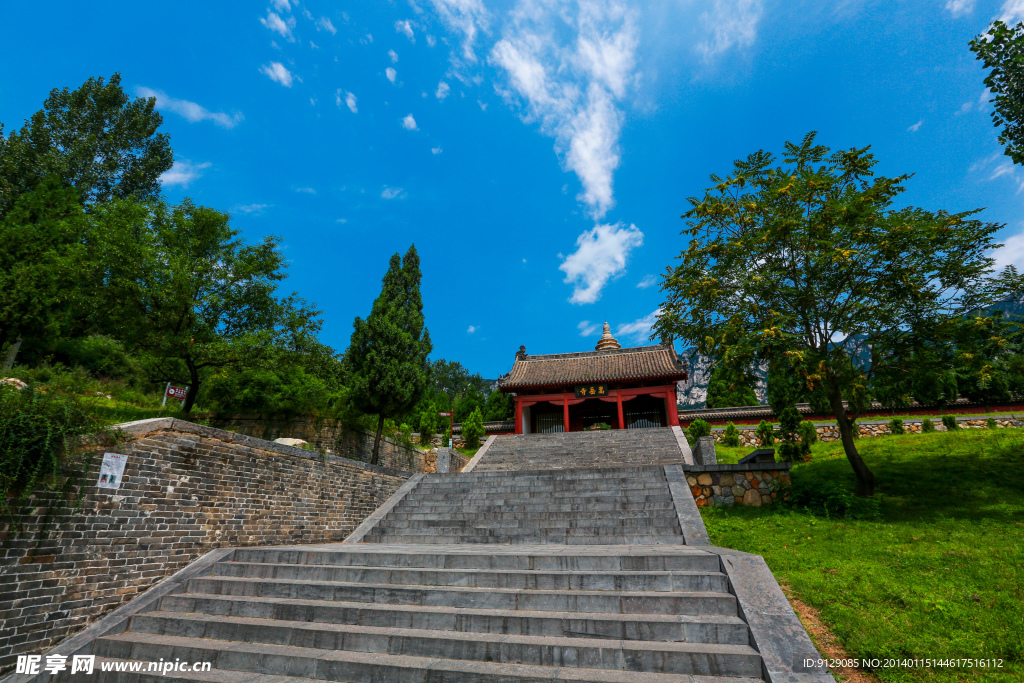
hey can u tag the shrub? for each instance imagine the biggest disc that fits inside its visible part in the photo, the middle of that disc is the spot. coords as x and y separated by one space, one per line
927 426
793 448
896 426
428 422
731 435
808 434
603 426
992 423
473 429
949 422
697 429
765 434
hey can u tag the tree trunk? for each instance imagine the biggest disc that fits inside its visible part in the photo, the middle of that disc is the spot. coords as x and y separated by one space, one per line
12 353
193 388
376 441
865 479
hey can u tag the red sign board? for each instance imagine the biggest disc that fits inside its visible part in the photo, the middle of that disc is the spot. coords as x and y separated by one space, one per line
445 414
177 392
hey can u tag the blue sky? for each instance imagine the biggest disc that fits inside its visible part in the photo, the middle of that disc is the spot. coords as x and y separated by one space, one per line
539 154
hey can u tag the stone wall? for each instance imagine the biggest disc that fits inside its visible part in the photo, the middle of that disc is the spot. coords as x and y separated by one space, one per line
866 428
458 461
186 490
756 484
329 436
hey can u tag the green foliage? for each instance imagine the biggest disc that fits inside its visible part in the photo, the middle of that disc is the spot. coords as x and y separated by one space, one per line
427 424
95 140
453 380
765 434
792 448
603 426
991 422
697 429
473 429
37 432
896 426
890 279
499 406
388 351
927 426
950 423
467 403
937 388
1001 49
731 435
730 387
808 434
831 499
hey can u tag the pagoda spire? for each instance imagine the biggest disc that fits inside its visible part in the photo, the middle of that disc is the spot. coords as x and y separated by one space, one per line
607 341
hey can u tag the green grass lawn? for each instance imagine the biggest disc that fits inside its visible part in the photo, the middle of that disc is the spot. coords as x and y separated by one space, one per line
937 573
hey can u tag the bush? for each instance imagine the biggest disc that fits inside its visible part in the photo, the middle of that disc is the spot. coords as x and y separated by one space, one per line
602 426
808 434
697 429
992 423
428 423
765 434
731 435
927 426
949 422
793 448
896 426
473 429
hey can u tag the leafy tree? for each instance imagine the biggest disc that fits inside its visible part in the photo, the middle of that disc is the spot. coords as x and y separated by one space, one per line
1001 49
731 435
783 258
936 388
808 433
427 424
697 429
388 351
765 434
467 403
792 448
191 295
499 406
730 387
473 429
96 140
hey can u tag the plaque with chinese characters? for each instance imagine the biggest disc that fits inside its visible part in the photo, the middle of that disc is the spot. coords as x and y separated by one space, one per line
591 390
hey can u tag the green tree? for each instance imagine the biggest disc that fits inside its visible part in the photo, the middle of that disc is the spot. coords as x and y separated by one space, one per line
499 406
783 259
731 387
765 434
96 140
467 403
1001 50
388 351
473 429
731 435
182 288
428 419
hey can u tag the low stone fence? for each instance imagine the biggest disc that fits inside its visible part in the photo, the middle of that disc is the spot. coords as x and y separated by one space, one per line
186 489
753 484
869 428
458 461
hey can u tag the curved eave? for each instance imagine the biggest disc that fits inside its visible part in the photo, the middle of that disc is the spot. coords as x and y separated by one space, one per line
558 388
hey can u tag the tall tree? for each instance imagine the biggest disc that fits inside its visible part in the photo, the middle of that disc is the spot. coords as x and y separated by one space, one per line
784 259
731 387
1001 49
388 351
95 139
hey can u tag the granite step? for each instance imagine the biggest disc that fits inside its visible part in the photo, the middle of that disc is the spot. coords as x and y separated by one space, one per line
662 539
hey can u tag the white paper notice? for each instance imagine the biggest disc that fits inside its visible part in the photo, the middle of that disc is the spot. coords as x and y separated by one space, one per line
111 470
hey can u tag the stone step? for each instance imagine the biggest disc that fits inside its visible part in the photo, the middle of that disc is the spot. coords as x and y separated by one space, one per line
326 661
620 601
662 512
701 628
558 530
556 498
590 486
440 507
534 580
663 539
608 521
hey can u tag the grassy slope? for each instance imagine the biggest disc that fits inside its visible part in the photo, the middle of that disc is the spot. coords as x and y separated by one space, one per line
940 573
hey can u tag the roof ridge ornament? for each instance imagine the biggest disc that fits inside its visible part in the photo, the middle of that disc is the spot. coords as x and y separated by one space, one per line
607 341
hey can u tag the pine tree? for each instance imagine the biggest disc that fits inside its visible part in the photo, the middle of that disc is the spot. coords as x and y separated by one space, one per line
388 351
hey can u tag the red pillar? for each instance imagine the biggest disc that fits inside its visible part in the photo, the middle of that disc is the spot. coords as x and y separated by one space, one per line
519 416
565 405
673 410
618 404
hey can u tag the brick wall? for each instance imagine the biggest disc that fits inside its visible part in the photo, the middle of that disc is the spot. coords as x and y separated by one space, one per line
186 490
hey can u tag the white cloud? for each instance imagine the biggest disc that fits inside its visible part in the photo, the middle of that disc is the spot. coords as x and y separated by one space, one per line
639 330
959 8
436 150
471 329
997 166
431 41
465 16
390 73
648 281
190 110
442 90
369 38
405 28
282 5
350 101
600 255
394 56
325 25
409 123
392 193
1013 11
182 173
572 87
1012 252
981 103
916 127
279 25
342 220
729 23
483 105
305 190
254 209
276 71
587 328
314 45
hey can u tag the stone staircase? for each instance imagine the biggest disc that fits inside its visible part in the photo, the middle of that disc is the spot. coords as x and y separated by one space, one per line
571 450
571 507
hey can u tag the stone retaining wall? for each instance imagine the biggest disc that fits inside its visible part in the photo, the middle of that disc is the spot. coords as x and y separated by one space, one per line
753 485
186 489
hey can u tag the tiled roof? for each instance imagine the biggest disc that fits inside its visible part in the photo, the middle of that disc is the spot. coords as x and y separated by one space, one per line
636 363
